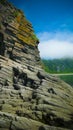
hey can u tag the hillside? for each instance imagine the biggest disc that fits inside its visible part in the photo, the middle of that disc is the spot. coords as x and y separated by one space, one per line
58 65
62 68
30 98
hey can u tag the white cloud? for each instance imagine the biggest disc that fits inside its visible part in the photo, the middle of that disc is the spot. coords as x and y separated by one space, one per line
56 45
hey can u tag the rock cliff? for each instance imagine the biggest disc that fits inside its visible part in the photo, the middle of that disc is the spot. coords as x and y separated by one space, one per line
30 99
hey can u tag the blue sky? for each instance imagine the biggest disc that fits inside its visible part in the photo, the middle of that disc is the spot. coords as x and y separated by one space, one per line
52 21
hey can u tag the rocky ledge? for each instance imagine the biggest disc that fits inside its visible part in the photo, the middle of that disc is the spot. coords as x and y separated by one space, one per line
30 99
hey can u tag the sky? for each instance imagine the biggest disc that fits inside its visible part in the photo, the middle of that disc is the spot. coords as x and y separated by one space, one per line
52 21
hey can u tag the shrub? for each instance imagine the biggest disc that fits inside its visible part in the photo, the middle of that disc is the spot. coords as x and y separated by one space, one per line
16 13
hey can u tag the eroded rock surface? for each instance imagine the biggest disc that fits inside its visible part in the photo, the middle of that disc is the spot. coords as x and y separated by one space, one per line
30 99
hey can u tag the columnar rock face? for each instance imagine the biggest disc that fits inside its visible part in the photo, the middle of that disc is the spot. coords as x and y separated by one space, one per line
30 99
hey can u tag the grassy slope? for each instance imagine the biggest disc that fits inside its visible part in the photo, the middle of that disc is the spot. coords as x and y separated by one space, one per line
60 66
67 78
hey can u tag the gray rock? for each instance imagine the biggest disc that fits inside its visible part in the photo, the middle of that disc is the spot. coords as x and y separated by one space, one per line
30 98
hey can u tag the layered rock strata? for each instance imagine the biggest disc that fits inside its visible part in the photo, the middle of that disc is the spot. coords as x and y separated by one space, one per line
19 41
30 99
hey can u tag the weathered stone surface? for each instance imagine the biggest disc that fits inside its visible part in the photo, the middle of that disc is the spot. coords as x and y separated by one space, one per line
50 102
30 99
18 41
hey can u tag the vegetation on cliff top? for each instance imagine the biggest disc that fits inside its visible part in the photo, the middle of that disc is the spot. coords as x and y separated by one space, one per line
25 31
